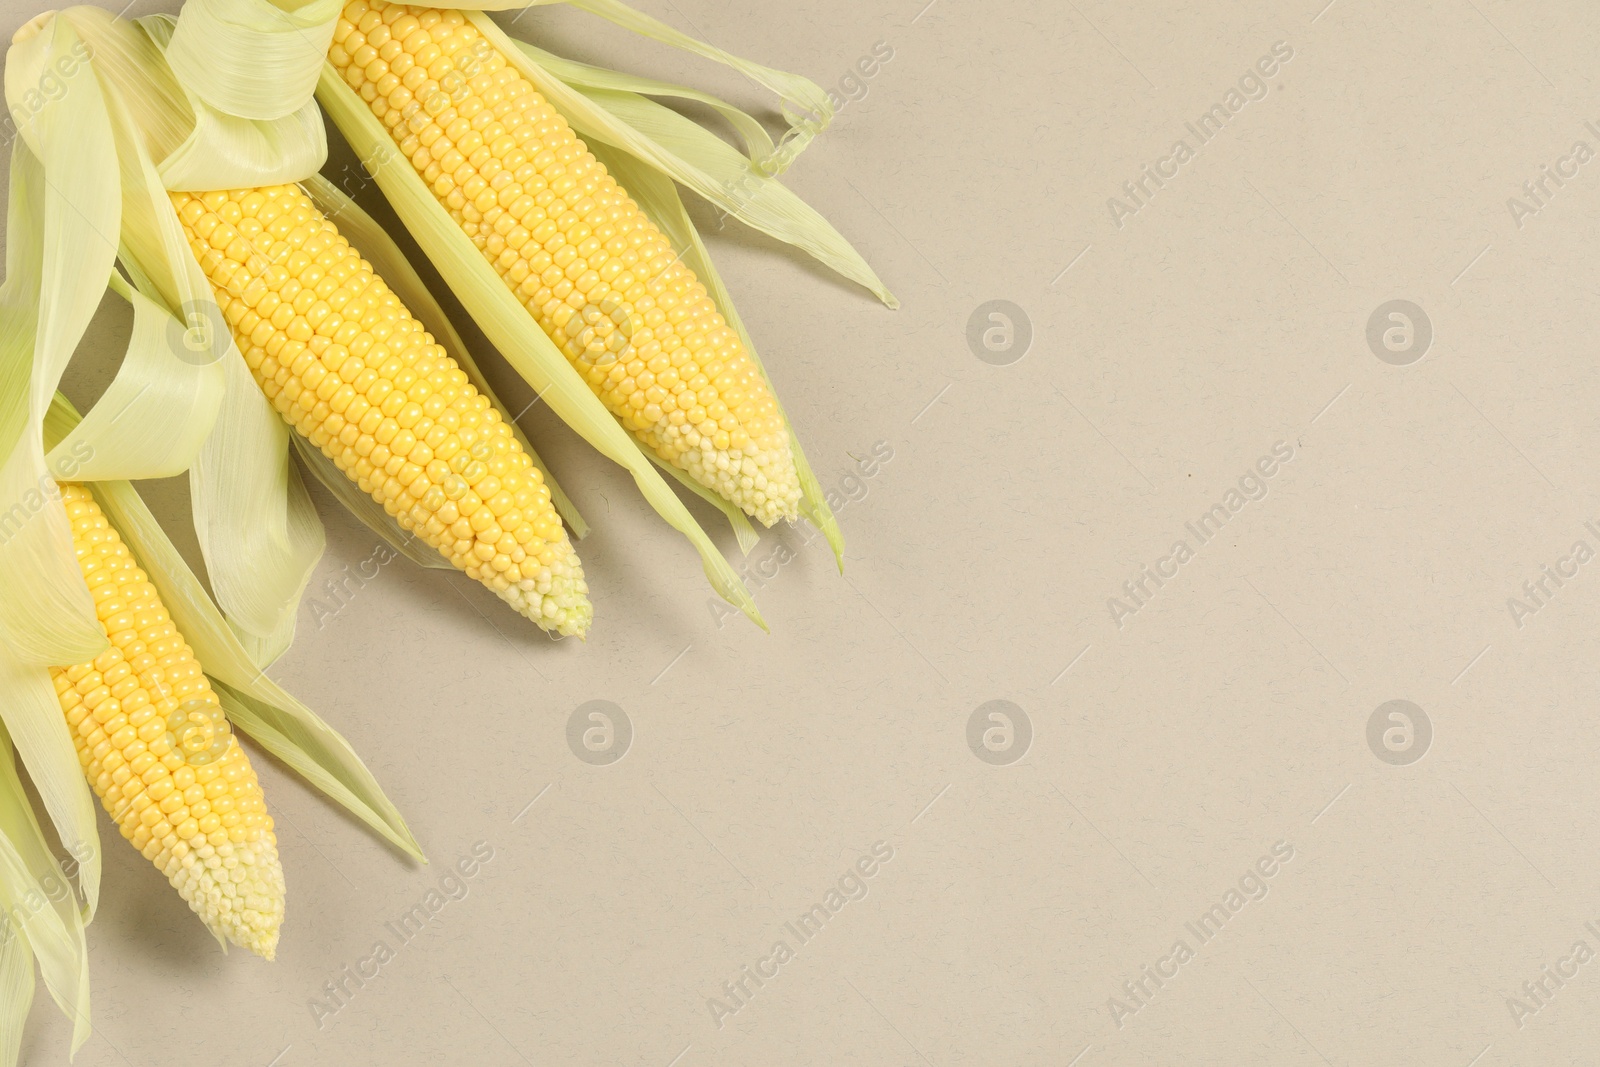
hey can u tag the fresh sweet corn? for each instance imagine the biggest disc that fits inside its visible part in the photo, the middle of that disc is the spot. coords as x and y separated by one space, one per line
158 752
347 366
598 276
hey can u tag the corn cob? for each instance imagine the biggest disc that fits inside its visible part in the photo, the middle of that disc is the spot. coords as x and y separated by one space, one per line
158 752
347 366
598 276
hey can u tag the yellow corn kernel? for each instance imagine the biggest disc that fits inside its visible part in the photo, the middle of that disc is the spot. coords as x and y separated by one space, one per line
347 366
233 882
601 280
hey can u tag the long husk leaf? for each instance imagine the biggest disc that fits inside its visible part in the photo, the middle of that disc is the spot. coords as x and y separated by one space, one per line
61 228
293 732
806 106
691 155
744 533
40 918
164 400
16 990
758 144
31 712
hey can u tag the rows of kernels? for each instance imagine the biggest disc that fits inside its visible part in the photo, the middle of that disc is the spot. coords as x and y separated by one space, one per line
594 271
157 751
348 367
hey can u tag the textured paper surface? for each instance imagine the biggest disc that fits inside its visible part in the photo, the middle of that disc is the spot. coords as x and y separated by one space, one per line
1423 869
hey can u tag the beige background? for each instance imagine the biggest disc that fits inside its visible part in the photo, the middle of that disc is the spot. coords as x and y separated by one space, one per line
1169 754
